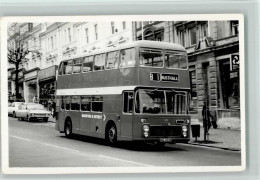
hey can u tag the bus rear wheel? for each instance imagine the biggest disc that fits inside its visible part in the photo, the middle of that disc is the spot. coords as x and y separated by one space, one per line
68 129
111 134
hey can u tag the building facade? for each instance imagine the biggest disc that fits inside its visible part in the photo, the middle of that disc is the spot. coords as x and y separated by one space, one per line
210 46
49 43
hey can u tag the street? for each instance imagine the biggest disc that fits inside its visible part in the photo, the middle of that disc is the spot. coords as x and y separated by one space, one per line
38 144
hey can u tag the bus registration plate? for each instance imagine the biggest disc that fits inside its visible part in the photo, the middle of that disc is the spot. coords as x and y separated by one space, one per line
165 139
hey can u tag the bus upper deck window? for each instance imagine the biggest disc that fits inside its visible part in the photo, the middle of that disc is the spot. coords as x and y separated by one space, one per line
61 69
176 60
99 62
127 58
68 67
112 60
151 58
77 65
87 64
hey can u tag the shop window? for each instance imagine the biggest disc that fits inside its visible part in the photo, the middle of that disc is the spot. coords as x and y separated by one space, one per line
152 58
127 58
85 103
230 86
67 103
87 64
112 60
77 65
99 62
75 103
128 102
97 104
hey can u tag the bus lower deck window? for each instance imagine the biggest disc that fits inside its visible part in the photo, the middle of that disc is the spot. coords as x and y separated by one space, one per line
97 104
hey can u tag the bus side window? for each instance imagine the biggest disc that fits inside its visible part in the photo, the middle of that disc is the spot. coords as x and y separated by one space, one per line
87 64
77 65
68 67
128 102
61 69
75 103
67 103
127 58
85 103
99 62
65 64
97 104
112 60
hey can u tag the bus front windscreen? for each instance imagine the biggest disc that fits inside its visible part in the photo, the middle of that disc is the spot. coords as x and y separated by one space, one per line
160 102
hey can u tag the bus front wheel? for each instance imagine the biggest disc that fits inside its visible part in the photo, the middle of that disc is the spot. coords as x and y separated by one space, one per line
111 134
68 129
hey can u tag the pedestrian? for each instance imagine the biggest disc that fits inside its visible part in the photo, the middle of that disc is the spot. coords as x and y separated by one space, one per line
206 117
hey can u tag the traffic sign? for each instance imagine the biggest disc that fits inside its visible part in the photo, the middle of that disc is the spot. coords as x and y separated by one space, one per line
234 62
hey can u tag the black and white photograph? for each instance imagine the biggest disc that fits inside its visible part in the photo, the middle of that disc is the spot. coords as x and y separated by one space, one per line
116 94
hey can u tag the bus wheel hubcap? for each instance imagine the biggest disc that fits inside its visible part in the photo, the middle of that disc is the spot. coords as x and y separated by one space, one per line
112 133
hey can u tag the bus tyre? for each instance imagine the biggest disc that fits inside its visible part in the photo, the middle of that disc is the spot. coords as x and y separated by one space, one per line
111 134
68 129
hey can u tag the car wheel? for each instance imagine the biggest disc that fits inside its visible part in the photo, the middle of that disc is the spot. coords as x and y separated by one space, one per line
14 115
111 134
68 129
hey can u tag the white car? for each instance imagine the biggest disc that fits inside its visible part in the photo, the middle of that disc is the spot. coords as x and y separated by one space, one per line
32 111
13 107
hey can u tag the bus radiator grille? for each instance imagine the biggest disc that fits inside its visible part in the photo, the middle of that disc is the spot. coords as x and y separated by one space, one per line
165 131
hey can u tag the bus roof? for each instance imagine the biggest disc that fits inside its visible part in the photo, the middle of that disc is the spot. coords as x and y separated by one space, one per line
142 43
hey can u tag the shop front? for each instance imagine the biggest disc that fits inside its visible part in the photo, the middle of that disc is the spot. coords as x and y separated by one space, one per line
47 85
31 85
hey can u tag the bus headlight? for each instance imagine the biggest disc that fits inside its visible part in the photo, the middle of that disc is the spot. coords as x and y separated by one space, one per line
187 121
146 129
184 131
184 134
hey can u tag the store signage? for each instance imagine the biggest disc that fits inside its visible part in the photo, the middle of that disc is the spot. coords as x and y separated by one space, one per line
234 62
164 77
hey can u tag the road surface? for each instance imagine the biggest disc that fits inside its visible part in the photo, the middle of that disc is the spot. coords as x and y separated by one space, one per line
38 144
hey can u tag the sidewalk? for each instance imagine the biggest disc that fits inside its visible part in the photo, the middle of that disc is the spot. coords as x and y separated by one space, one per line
220 138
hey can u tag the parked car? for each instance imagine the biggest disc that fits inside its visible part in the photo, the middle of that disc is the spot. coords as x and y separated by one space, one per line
13 107
32 111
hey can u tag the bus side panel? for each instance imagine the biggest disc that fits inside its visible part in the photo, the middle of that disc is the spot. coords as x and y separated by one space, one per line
111 111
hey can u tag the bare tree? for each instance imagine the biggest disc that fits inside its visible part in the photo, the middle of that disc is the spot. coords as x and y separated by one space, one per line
15 56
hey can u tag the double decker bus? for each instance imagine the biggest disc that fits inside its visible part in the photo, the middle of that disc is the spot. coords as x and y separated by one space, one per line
133 92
